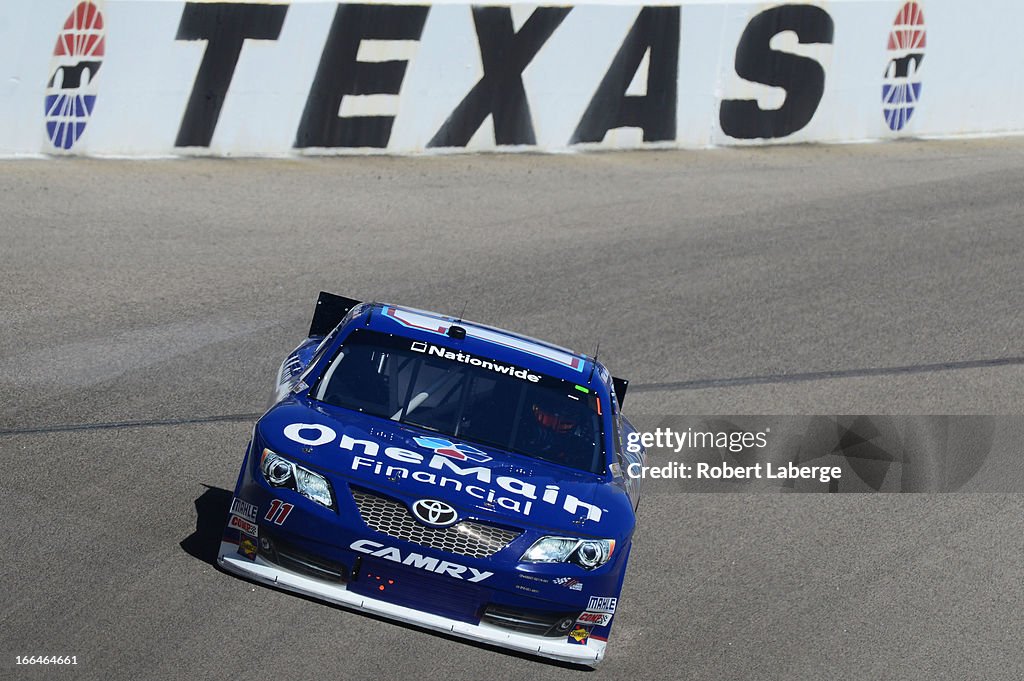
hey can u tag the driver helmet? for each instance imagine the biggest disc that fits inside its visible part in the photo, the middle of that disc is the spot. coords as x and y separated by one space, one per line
550 419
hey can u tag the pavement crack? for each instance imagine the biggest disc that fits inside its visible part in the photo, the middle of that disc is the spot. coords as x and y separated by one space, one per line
696 384
141 423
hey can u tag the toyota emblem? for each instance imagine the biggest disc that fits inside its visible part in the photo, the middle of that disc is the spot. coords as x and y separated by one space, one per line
434 512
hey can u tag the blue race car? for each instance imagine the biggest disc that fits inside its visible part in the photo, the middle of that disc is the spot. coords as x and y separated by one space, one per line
443 473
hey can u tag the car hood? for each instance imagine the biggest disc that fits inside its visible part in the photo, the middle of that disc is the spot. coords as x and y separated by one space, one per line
411 464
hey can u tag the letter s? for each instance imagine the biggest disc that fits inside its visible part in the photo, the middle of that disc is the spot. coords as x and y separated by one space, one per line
802 78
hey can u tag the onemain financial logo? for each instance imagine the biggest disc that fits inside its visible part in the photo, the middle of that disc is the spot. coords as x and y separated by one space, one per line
439 470
458 356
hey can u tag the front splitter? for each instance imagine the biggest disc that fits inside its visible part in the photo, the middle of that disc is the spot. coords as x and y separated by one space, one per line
270 574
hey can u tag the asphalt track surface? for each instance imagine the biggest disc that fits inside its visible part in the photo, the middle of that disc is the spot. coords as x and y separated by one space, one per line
146 306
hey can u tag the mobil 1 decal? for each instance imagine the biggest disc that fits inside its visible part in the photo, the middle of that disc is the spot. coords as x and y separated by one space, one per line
225 27
342 74
801 77
504 53
901 88
654 37
71 87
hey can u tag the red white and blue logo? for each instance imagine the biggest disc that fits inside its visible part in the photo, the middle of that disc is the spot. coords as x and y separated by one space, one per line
901 89
457 451
71 87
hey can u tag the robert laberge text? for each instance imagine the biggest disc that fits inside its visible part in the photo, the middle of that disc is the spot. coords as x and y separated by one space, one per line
725 471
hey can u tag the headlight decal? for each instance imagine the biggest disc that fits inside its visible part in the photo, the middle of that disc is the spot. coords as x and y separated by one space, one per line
280 472
587 553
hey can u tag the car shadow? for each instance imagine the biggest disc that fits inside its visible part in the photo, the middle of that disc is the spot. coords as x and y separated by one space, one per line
212 508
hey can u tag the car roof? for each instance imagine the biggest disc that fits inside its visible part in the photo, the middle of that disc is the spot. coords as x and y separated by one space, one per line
487 341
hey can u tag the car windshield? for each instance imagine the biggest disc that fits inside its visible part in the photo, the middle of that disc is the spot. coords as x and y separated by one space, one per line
472 398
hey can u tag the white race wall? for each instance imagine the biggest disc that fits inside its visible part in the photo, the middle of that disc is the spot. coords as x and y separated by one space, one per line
971 76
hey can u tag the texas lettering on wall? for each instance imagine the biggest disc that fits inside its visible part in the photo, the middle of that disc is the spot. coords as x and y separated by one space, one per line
308 77
638 89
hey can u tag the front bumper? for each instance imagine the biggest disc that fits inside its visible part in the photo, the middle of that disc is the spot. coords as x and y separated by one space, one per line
274 575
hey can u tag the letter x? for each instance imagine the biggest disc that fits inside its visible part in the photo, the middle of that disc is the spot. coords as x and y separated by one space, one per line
505 54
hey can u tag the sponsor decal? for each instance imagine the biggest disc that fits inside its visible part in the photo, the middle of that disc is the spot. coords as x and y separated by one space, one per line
432 350
901 89
594 619
569 583
278 512
459 452
244 509
579 635
531 578
294 432
416 560
434 513
443 469
244 525
429 324
602 604
71 88
247 548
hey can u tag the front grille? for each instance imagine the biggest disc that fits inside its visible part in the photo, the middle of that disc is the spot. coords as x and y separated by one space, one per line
466 537
530 621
